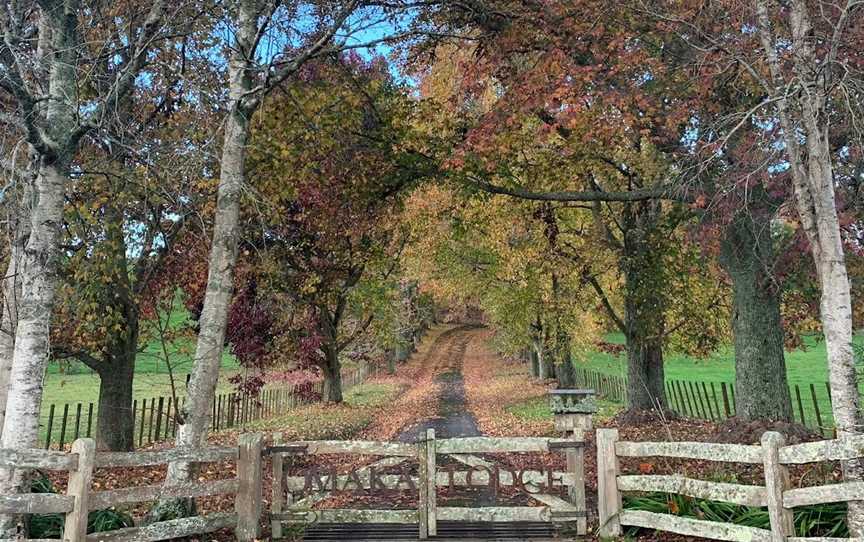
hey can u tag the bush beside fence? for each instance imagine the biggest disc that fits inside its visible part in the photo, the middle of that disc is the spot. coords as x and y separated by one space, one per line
155 418
811 403
777 494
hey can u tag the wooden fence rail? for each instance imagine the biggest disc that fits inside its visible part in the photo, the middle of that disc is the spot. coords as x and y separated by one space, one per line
292 501
811 403
775 494
155 418
81 498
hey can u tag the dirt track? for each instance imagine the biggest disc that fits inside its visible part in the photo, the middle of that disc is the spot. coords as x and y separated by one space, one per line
445 359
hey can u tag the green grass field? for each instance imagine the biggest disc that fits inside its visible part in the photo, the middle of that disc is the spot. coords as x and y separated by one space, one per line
804 366
72 382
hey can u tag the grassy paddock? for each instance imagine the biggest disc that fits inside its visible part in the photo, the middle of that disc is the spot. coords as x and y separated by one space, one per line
538 409
804 366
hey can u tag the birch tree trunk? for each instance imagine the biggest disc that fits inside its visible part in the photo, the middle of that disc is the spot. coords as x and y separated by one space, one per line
11 291
803 117
220 285
45 89
223 252
38 274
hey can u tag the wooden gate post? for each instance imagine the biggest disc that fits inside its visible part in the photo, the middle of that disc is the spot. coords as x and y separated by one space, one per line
75 527
576 492
431 481
776 482
247 503
608 496
278 491
423 487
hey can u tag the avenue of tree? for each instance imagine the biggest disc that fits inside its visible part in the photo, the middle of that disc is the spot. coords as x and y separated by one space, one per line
311 180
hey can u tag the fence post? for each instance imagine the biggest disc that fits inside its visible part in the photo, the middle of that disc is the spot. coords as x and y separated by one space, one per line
75 527
608 497
776 482
431 479
247 503
423 487
277 489
576 467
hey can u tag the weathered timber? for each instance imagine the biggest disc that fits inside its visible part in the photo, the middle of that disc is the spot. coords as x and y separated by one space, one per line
166 530
359 447
431 482
36 503
851 447
423 488
728 453
694 527
495 513
471 460
386 462
699 489
442 479
247 502
278 493
144 459
576 467
557 505
106 499
473 445
306 504
75 524
346 515
806 496
290 449
37 459
776 483
608 496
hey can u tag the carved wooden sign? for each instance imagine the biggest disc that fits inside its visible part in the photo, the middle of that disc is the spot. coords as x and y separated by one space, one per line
372 481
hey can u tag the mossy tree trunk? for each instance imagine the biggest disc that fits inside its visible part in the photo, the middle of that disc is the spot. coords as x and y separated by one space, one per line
747 255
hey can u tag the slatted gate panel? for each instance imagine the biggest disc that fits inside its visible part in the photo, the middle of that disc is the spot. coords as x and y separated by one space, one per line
402 467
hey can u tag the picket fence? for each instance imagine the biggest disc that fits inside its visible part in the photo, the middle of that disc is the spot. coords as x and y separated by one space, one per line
777 494
156 420
715 401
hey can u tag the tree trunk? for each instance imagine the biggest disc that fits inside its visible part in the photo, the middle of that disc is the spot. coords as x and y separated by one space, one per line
390 355
38 275
564 371
747 255
535 361
11 291
332 369
807 119
332 376
644 310
645 377
195 419
115 420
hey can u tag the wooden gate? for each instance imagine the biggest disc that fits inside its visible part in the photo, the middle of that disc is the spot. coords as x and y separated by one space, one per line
424 483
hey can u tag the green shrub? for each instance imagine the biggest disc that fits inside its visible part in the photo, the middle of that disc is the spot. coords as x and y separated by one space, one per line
826 520
51 525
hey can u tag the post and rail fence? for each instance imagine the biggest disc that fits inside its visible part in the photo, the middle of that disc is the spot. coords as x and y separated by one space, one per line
81 498
776 494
